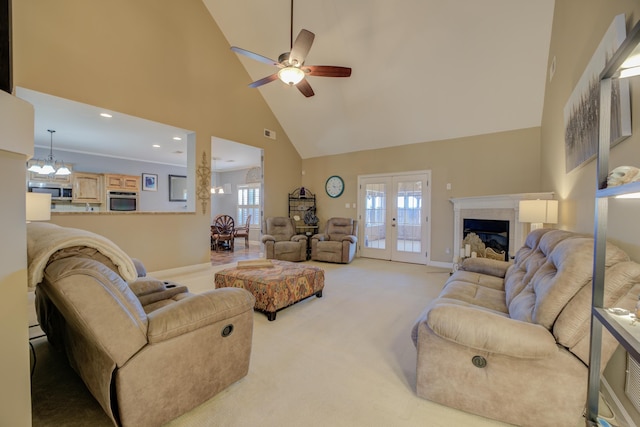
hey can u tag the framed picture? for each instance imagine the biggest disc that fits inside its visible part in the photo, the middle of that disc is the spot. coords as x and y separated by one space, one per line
582 110
149 182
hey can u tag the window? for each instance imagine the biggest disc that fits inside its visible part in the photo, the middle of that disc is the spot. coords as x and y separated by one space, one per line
249 204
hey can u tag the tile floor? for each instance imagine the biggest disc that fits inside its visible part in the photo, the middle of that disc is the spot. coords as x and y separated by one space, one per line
240 252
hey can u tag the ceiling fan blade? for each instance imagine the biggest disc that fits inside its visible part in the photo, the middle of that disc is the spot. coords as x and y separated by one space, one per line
327 71
305 88
301 47
264 80
254 56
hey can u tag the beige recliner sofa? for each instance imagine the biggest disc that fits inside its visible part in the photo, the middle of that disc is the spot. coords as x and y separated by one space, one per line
147 350
511 341
337 243
281 241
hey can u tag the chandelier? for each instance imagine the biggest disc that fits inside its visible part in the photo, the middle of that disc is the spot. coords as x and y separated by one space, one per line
49 166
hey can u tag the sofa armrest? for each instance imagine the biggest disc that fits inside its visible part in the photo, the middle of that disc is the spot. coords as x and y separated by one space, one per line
488 266
350 239
489 331
320 237
299 238
197 311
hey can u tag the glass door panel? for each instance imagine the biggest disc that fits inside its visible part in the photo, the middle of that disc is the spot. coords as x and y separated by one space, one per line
393 219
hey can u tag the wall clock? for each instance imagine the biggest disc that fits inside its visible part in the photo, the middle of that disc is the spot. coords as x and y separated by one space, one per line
334 186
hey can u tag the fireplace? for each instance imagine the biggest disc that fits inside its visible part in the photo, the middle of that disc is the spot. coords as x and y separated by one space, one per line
493 233
503 207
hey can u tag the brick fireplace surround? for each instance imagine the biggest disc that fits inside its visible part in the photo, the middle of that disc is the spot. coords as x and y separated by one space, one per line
503 207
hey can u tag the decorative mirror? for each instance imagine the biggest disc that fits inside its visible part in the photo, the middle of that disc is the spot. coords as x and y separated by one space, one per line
177 188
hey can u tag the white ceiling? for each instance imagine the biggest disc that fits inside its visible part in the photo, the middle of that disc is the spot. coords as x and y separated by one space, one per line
423 70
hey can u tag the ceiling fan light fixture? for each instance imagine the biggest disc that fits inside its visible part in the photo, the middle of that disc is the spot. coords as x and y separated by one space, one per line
291 75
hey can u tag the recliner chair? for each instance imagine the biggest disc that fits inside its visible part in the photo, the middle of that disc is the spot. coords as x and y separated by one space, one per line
337 243
147 350
281 241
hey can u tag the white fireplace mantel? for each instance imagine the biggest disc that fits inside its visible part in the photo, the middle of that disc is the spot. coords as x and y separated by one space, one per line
502 207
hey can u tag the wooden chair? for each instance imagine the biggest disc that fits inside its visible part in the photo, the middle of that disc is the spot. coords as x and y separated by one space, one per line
244 232
222 231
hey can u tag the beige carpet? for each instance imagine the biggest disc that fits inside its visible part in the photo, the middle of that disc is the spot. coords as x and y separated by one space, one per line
345 359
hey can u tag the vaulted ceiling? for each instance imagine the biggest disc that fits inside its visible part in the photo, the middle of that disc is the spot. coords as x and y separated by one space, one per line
423 70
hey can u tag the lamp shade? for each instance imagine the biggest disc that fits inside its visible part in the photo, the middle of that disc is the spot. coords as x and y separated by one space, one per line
38 207
538 211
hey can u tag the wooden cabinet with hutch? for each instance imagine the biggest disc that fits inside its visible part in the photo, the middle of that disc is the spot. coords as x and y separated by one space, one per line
87 188
119 182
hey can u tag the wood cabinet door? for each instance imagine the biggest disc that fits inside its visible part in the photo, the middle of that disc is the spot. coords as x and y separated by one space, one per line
87 188
131 182
113 182
122 182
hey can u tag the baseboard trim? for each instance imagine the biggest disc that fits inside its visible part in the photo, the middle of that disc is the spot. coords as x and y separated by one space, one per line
616 406
440 264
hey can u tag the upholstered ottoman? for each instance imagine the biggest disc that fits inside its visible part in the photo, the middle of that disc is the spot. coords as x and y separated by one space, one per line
275 287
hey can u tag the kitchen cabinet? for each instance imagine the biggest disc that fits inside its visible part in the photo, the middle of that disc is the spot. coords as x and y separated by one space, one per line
118 182
87 188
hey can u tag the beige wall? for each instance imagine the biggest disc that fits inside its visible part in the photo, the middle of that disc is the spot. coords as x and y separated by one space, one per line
16 132
577 29
161 60
500 163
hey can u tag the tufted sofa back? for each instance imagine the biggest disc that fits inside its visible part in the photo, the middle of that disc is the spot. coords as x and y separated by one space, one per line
550 284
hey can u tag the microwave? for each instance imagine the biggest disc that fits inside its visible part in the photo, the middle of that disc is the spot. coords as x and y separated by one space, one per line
57 193
122 201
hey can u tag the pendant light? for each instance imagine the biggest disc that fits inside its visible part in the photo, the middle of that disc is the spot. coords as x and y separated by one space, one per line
49 166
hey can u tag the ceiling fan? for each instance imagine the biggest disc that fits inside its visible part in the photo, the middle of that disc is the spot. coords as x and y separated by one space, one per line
291 64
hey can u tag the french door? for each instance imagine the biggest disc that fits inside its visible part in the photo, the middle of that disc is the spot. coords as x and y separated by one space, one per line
394 217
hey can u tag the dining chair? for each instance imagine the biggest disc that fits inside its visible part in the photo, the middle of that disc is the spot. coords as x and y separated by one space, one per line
244 232
223 232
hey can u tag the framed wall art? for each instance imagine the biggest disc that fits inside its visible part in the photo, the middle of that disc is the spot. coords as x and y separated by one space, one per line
581 112
149 182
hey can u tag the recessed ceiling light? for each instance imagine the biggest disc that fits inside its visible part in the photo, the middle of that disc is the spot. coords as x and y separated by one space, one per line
155 146
107 115
177 138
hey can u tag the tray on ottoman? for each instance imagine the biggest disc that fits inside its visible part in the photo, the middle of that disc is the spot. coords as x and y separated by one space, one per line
274 287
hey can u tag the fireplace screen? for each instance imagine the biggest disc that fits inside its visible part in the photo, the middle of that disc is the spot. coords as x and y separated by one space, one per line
493 233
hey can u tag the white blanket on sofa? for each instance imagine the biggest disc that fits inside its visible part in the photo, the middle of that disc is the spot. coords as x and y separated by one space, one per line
45 239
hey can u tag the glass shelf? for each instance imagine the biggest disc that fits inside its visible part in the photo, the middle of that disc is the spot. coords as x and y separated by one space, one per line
620 190
624 327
